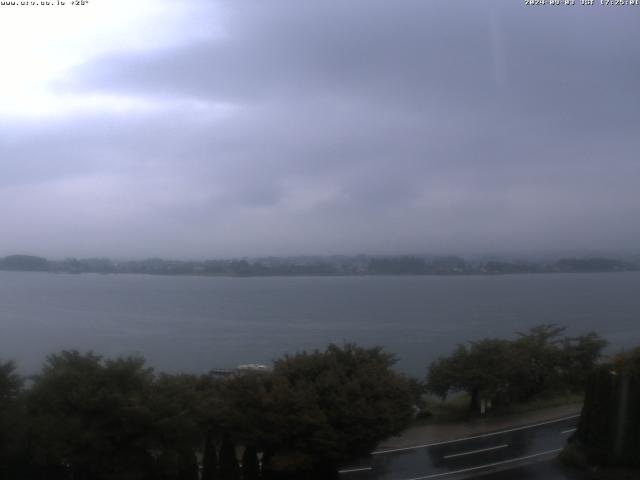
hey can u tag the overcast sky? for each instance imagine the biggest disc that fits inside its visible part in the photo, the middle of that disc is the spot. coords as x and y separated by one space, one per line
196 129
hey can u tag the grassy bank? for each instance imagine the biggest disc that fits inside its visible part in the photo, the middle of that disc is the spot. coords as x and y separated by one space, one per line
456 408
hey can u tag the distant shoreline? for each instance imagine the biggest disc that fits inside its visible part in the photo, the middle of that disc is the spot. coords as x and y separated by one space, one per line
319 266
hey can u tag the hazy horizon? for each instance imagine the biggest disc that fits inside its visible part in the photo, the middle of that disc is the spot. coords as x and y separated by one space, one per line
470 256
218 129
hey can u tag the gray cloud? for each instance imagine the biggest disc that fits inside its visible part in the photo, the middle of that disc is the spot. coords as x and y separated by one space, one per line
344 127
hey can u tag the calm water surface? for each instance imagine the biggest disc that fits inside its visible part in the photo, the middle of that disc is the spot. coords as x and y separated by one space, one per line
196 323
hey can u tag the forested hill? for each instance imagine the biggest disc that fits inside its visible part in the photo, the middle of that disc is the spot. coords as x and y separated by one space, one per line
25 263
320 266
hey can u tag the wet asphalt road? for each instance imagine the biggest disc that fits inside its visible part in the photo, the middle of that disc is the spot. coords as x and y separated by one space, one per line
542 470
526 452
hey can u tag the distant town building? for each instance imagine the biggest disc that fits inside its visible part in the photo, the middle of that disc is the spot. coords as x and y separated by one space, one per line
240 370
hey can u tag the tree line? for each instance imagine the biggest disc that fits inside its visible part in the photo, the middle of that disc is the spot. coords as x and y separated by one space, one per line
317 266
84 417
498 372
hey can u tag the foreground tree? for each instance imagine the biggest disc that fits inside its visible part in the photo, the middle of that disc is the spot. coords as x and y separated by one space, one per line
580 355
177 431
10 385
250 465
534 362
229 467
209 458
481 369
10 419
319 409
90 417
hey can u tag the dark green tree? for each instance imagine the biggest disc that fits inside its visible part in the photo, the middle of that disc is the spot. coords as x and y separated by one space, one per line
581 355
538 362
11 436
317 410
10 384
188 466
177 429
90 416
482 369
250 470
229 468
209 458
362 399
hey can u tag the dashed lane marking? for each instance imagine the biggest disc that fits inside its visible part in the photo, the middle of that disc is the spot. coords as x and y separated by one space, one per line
354 470
476 451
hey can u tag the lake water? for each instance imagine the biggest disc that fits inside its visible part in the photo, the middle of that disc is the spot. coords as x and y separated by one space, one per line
196 323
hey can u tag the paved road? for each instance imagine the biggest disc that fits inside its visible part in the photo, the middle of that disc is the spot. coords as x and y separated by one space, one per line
450 460
541 470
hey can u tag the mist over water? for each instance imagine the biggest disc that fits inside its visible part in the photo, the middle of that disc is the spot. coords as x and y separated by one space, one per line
193 324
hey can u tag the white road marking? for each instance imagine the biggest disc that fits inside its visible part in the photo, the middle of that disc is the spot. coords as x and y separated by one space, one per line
353 470
484 435
488 465
476 451
564 432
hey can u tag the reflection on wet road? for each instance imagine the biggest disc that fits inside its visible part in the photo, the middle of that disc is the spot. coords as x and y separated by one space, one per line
500 451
